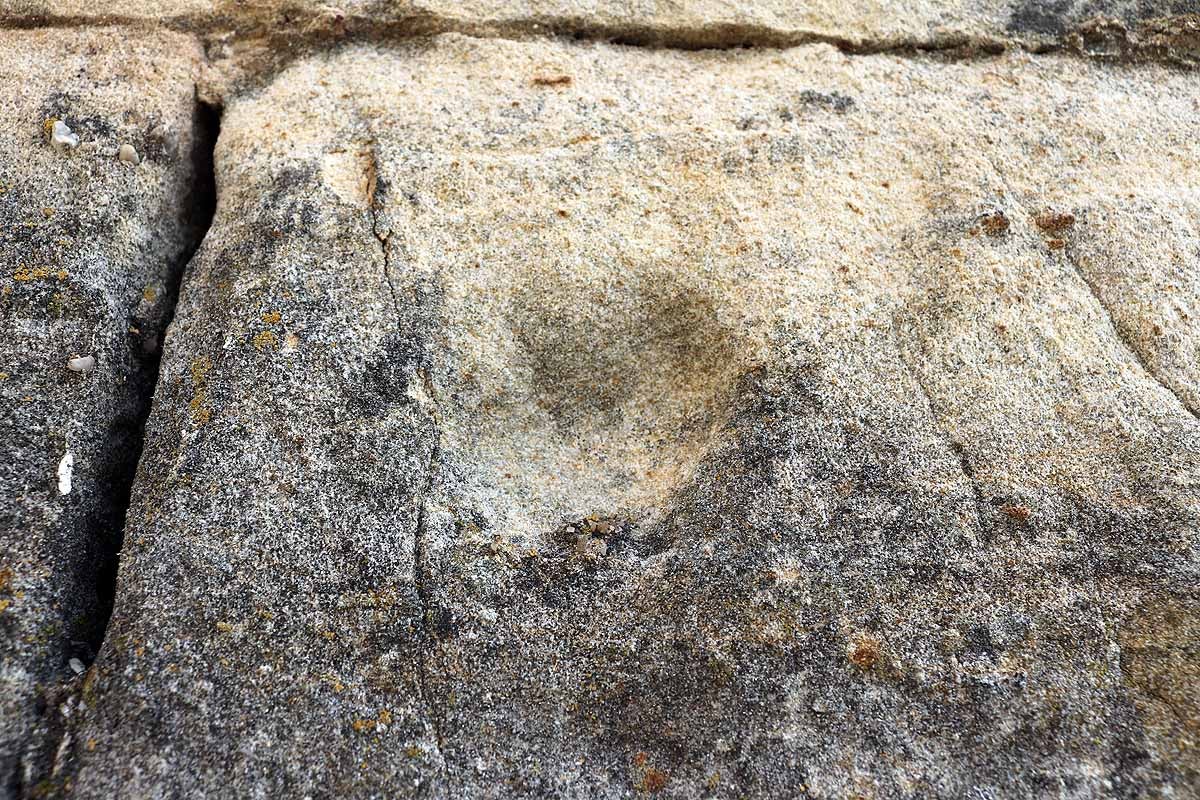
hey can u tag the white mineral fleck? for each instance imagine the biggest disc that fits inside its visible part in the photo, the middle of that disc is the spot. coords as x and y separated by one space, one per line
129 156
66 468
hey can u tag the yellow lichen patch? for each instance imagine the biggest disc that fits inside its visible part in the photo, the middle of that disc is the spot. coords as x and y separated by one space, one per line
224 627
48 124
6 581
198 407
58 304
366 724
266 340
200 368
30 273
271 317
200 411
26 274
149 294
88 690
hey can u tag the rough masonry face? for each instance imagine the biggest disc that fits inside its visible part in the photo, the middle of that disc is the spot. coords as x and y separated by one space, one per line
90 252
750 428
553 418
1158 28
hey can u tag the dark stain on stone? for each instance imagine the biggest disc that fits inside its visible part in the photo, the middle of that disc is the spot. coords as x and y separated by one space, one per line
1160 664
828 101
1057 17
978 640
385 381
1047 17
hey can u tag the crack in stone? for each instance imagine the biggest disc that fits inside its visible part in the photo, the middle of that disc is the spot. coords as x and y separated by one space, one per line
1128 345
58 702
1136 354
421 579
956 447
420 557
1167 44
372 181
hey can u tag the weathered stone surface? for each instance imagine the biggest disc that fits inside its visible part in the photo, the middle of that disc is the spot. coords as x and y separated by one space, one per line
565 419
90 252
1140 259
1106 25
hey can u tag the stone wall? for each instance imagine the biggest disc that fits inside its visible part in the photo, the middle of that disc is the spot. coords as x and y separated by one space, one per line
599 400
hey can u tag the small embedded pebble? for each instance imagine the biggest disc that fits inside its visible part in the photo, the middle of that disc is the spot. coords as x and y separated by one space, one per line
77 666
129 156
588 547
62 137
83 364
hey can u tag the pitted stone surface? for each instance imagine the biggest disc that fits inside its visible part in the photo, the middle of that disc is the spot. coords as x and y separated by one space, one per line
576 420
90 253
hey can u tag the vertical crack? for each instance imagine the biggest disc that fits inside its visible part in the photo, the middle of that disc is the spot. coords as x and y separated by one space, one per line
421 579
49 745
1137 355
956 447
420 556
203 206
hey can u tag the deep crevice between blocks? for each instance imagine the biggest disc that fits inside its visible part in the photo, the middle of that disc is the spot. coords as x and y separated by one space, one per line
33 773
202 206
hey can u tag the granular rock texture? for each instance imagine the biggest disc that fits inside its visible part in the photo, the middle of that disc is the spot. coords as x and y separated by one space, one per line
90 252
752 428
1102 27
547 417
